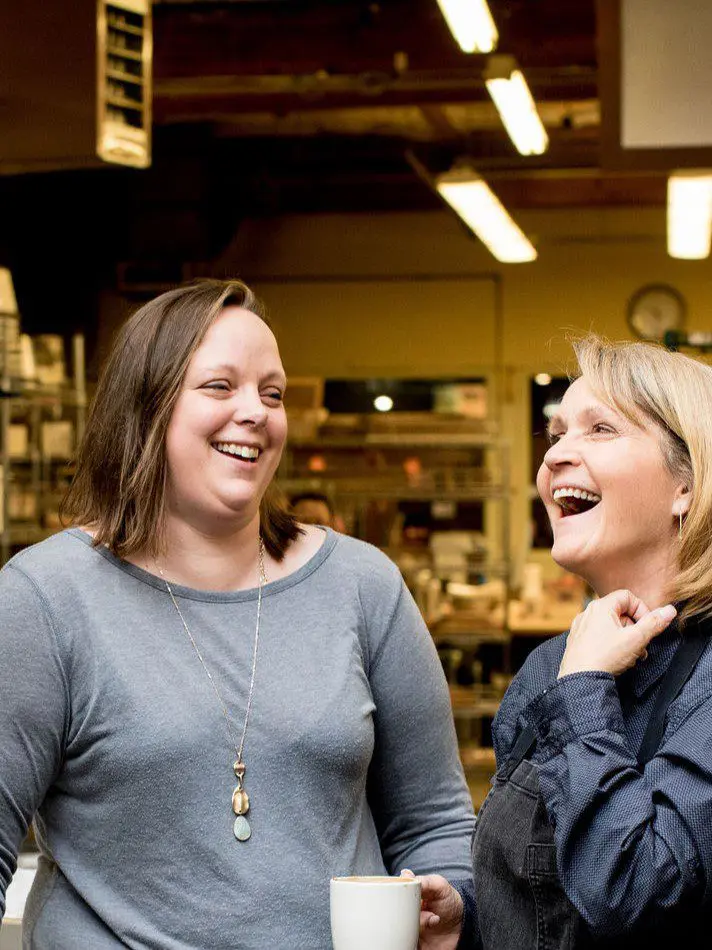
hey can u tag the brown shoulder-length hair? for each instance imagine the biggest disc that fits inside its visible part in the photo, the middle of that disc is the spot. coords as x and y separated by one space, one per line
121 469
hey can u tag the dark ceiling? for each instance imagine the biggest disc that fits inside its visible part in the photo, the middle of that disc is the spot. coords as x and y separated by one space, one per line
317 104
282 106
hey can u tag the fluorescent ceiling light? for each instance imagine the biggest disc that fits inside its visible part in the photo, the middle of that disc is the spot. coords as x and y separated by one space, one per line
484 213
8 303
689 214
517 109
471 24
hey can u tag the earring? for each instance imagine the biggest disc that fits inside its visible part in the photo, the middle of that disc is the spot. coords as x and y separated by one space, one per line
679 533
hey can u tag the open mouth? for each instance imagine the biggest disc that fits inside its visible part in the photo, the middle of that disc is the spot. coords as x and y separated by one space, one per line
575 501
246 453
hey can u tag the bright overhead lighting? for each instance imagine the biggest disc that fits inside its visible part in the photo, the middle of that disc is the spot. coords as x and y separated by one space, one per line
689 214
8 303
484 213
383 403
517 110
471 24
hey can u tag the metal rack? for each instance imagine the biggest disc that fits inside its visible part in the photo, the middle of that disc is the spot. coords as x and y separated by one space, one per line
39 472
470 467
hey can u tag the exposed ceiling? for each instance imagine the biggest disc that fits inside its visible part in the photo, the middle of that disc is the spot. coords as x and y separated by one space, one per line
317 104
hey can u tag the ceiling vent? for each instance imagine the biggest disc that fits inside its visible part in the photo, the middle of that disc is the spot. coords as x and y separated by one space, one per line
75 84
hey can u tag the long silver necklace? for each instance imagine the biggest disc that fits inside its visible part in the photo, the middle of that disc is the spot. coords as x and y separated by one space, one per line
240 799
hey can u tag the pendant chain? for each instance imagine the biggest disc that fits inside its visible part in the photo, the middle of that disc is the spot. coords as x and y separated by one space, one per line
261 583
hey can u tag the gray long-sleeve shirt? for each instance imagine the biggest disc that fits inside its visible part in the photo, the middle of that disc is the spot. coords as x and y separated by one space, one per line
111 734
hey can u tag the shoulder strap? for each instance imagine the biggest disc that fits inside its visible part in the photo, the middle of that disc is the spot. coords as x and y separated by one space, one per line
526 740
681 666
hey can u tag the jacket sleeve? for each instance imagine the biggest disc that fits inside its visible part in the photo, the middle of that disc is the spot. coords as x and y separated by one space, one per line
417 791
631 842
34 712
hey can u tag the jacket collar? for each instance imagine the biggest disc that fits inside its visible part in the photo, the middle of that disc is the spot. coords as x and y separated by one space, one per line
661 651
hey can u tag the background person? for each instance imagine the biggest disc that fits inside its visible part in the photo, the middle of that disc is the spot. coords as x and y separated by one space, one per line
313 508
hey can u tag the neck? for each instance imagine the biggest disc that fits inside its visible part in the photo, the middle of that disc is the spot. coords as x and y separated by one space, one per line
649 582
195 558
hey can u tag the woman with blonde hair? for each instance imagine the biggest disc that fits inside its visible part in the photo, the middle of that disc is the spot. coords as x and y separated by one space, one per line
598 828
209 708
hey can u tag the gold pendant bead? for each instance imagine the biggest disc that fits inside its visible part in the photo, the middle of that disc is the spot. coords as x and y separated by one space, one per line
239 768
240 801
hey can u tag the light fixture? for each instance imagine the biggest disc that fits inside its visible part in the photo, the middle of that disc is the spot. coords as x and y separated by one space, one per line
482 211
515 104
383 403
471 24
542 379
8 303
689 214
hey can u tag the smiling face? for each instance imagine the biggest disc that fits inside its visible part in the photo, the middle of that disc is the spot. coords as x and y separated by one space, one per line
228 427
611 499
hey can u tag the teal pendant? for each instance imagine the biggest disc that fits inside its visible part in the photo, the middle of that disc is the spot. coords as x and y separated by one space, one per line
241 829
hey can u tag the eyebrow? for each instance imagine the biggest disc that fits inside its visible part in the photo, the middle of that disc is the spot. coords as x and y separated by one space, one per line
275 374
587 412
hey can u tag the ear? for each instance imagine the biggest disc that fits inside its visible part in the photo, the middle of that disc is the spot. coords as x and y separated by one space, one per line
682 501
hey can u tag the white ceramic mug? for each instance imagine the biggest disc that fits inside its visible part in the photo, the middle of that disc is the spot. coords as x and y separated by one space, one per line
375 913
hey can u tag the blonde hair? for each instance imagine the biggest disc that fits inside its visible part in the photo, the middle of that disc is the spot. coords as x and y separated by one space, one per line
674 392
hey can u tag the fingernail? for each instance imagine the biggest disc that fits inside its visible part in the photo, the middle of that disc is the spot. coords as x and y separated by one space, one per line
667 613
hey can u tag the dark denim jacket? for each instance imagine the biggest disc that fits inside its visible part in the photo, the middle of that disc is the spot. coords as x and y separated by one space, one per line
631 843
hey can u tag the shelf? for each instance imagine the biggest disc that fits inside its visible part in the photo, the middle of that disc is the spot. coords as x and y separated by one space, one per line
473 638
465 440
44 396
40 427
443 464
485 493
41 460
480 709
471 702
556 619
330 486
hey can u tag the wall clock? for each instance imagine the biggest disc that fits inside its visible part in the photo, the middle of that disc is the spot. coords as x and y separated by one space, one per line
654 310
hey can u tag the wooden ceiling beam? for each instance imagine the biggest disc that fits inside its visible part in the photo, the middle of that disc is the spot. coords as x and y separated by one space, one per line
357 36
400 191
202 97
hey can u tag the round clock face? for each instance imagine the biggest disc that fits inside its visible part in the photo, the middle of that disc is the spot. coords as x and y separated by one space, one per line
654 310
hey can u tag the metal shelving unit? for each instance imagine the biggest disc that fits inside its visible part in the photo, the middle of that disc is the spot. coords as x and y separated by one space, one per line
33 476
457 468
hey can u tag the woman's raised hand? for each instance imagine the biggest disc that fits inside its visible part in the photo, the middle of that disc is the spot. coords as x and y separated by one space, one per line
612 634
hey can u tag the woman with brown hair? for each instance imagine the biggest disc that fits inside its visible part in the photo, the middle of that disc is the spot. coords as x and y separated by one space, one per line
208 708
597 831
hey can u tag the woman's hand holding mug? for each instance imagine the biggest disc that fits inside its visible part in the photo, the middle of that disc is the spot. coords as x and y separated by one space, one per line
440 914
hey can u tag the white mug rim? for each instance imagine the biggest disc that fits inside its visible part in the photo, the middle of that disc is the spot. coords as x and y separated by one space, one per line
375 880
